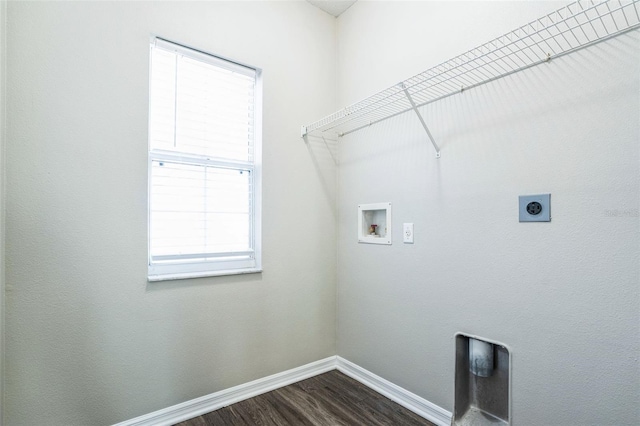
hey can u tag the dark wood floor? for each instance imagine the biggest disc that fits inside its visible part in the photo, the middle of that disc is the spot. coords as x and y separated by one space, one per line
328 399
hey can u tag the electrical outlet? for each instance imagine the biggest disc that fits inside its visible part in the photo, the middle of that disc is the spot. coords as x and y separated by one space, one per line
407 233
535 208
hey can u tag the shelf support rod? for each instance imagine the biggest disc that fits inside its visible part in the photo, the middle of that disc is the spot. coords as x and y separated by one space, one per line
415 109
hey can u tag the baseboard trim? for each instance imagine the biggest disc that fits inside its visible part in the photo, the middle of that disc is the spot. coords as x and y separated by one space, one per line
199 406
410 401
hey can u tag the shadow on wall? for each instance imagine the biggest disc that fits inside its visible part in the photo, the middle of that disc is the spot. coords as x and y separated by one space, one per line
324 154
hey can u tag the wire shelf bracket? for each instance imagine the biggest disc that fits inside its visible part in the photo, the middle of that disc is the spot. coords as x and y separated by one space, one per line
576 26
415 108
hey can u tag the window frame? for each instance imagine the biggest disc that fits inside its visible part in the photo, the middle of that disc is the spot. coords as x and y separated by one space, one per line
216 264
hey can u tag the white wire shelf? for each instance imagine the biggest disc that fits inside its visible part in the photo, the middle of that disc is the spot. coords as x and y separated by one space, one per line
575 26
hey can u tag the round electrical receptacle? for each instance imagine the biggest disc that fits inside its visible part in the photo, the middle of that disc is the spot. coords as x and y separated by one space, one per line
534 208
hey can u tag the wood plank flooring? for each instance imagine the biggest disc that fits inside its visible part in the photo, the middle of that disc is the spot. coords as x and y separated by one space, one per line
325 400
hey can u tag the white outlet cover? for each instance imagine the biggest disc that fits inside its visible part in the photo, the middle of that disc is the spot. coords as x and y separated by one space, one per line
407 233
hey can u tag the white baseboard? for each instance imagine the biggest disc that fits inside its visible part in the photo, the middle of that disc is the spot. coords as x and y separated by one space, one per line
199 406
410 401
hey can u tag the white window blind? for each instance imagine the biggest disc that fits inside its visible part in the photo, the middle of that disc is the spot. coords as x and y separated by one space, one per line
204 180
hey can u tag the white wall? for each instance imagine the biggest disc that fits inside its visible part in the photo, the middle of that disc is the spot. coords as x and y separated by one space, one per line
89 340
563 295
3 92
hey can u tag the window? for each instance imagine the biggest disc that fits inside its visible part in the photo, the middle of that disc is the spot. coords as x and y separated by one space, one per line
204 164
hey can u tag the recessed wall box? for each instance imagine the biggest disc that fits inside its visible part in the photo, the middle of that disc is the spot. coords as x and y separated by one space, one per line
374 223
535 208
482 382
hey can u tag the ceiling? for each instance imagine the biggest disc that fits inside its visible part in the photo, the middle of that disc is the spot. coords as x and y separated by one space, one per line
333 7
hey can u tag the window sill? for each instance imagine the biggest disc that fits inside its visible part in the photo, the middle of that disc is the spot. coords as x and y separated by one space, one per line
189 275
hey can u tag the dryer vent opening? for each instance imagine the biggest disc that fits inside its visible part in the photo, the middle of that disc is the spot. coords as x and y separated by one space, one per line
482 382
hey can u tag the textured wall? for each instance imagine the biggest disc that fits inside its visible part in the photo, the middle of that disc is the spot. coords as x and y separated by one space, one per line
3 92
89 340
563 295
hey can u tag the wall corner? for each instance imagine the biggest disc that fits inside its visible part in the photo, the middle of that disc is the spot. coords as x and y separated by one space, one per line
3 133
